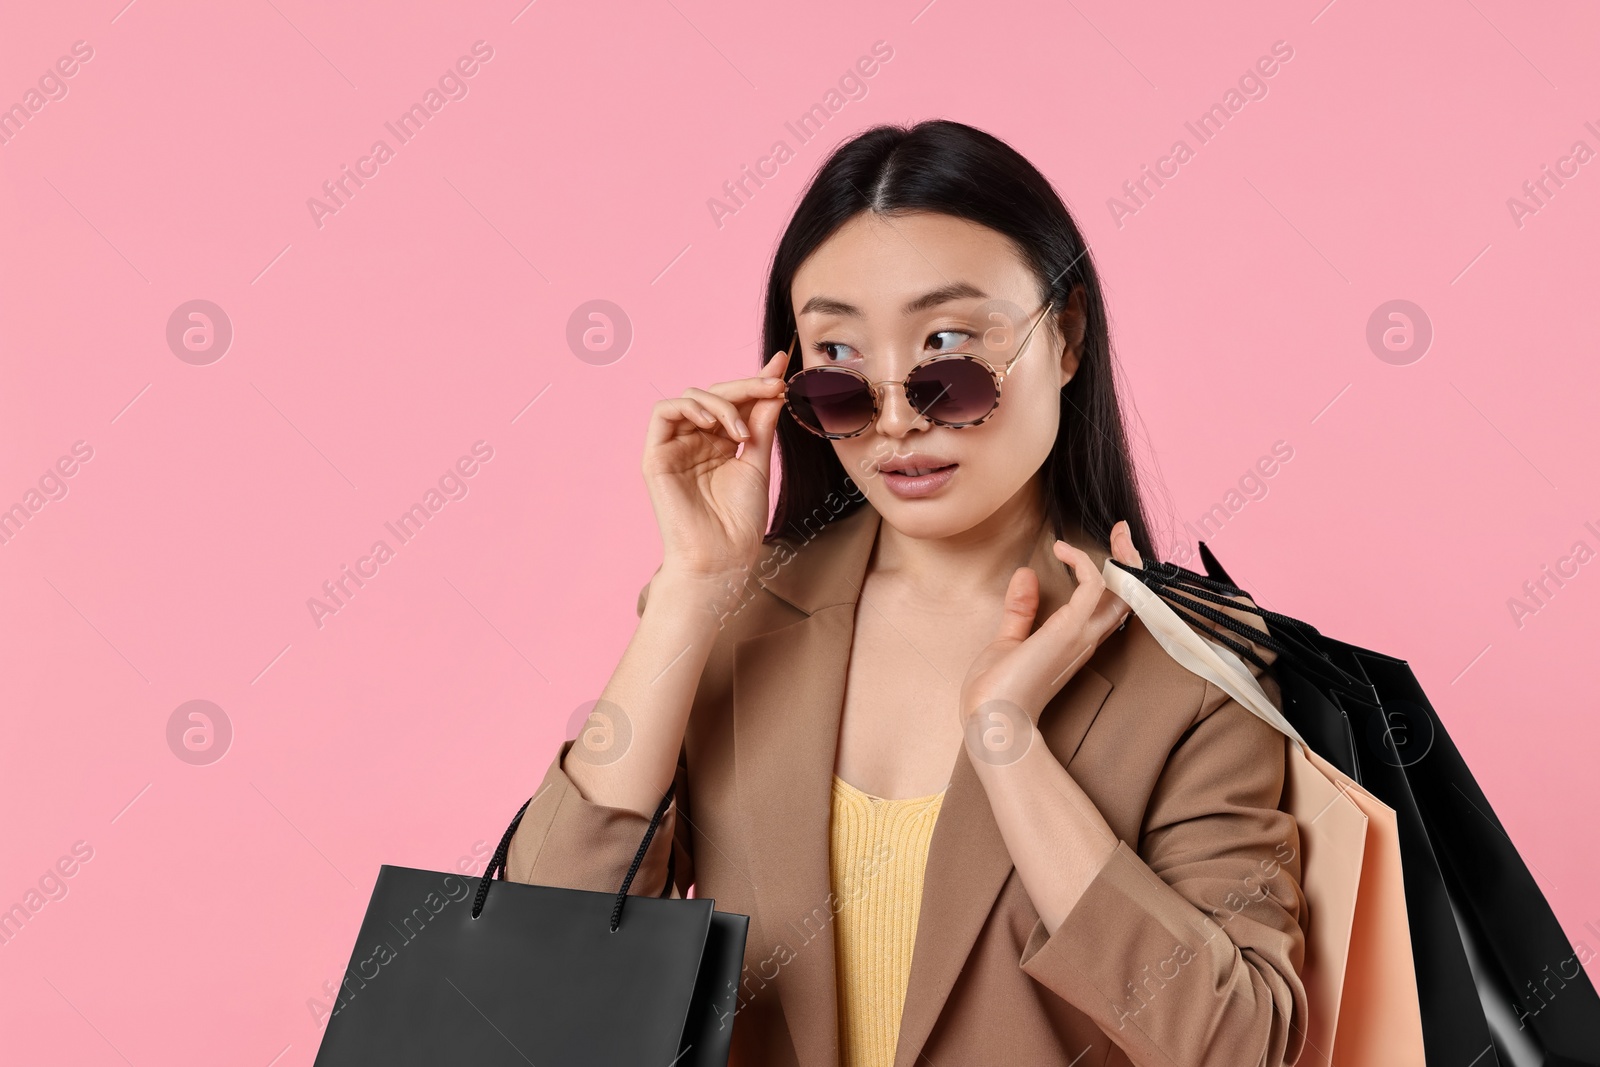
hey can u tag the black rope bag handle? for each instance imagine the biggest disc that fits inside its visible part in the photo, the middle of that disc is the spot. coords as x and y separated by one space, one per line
1187 591
498 862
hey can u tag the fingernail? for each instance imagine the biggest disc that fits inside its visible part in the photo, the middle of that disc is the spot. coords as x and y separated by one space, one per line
744 431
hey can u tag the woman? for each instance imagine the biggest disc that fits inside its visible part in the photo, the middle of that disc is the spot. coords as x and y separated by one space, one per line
975 812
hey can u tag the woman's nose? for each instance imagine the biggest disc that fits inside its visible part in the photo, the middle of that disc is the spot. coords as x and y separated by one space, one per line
896 416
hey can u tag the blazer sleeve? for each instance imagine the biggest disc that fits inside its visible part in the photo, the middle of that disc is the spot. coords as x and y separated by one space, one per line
1188 951
567 840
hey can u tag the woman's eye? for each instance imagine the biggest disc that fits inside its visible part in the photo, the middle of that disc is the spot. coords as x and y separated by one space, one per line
830 349
954 339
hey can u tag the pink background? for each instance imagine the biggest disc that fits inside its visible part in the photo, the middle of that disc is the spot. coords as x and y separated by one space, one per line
431 311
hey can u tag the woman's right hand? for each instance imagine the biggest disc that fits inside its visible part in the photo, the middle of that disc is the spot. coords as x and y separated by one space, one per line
711 504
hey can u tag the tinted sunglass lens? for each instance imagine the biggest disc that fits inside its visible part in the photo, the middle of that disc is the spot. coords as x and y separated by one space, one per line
952 390
830 401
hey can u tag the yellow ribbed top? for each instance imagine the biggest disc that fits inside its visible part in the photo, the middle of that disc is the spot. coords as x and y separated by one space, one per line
879 849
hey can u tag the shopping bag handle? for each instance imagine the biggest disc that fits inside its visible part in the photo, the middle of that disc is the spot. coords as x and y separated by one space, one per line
498 861
1186 590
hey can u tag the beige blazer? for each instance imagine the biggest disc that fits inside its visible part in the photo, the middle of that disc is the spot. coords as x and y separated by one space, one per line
1185 950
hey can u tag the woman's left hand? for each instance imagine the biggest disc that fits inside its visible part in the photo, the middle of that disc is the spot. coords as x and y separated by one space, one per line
1024 671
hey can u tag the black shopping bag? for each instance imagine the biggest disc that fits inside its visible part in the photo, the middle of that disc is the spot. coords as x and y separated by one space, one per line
1538 1000
1483 936
531 974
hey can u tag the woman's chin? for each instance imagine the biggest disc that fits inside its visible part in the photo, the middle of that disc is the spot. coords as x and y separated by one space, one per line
928 518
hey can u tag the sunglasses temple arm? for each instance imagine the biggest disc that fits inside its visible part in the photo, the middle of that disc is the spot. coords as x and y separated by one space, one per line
1023 347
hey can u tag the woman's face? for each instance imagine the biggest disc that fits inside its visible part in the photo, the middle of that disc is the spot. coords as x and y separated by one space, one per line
882 294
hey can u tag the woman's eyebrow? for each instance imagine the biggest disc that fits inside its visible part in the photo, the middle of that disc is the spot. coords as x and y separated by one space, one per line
828 305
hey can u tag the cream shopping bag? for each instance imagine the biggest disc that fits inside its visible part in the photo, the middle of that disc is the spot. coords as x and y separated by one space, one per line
1359 976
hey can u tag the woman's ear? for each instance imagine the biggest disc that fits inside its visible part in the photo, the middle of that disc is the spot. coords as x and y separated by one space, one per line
1073 324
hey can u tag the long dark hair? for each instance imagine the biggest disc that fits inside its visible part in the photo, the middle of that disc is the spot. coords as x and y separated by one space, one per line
953 169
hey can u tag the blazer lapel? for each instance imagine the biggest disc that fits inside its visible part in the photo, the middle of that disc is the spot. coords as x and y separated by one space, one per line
788 701
788 697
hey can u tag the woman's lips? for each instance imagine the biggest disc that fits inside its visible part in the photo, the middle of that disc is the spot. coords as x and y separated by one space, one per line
910 486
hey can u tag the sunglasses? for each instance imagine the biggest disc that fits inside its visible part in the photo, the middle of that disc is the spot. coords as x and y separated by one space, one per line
957 390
